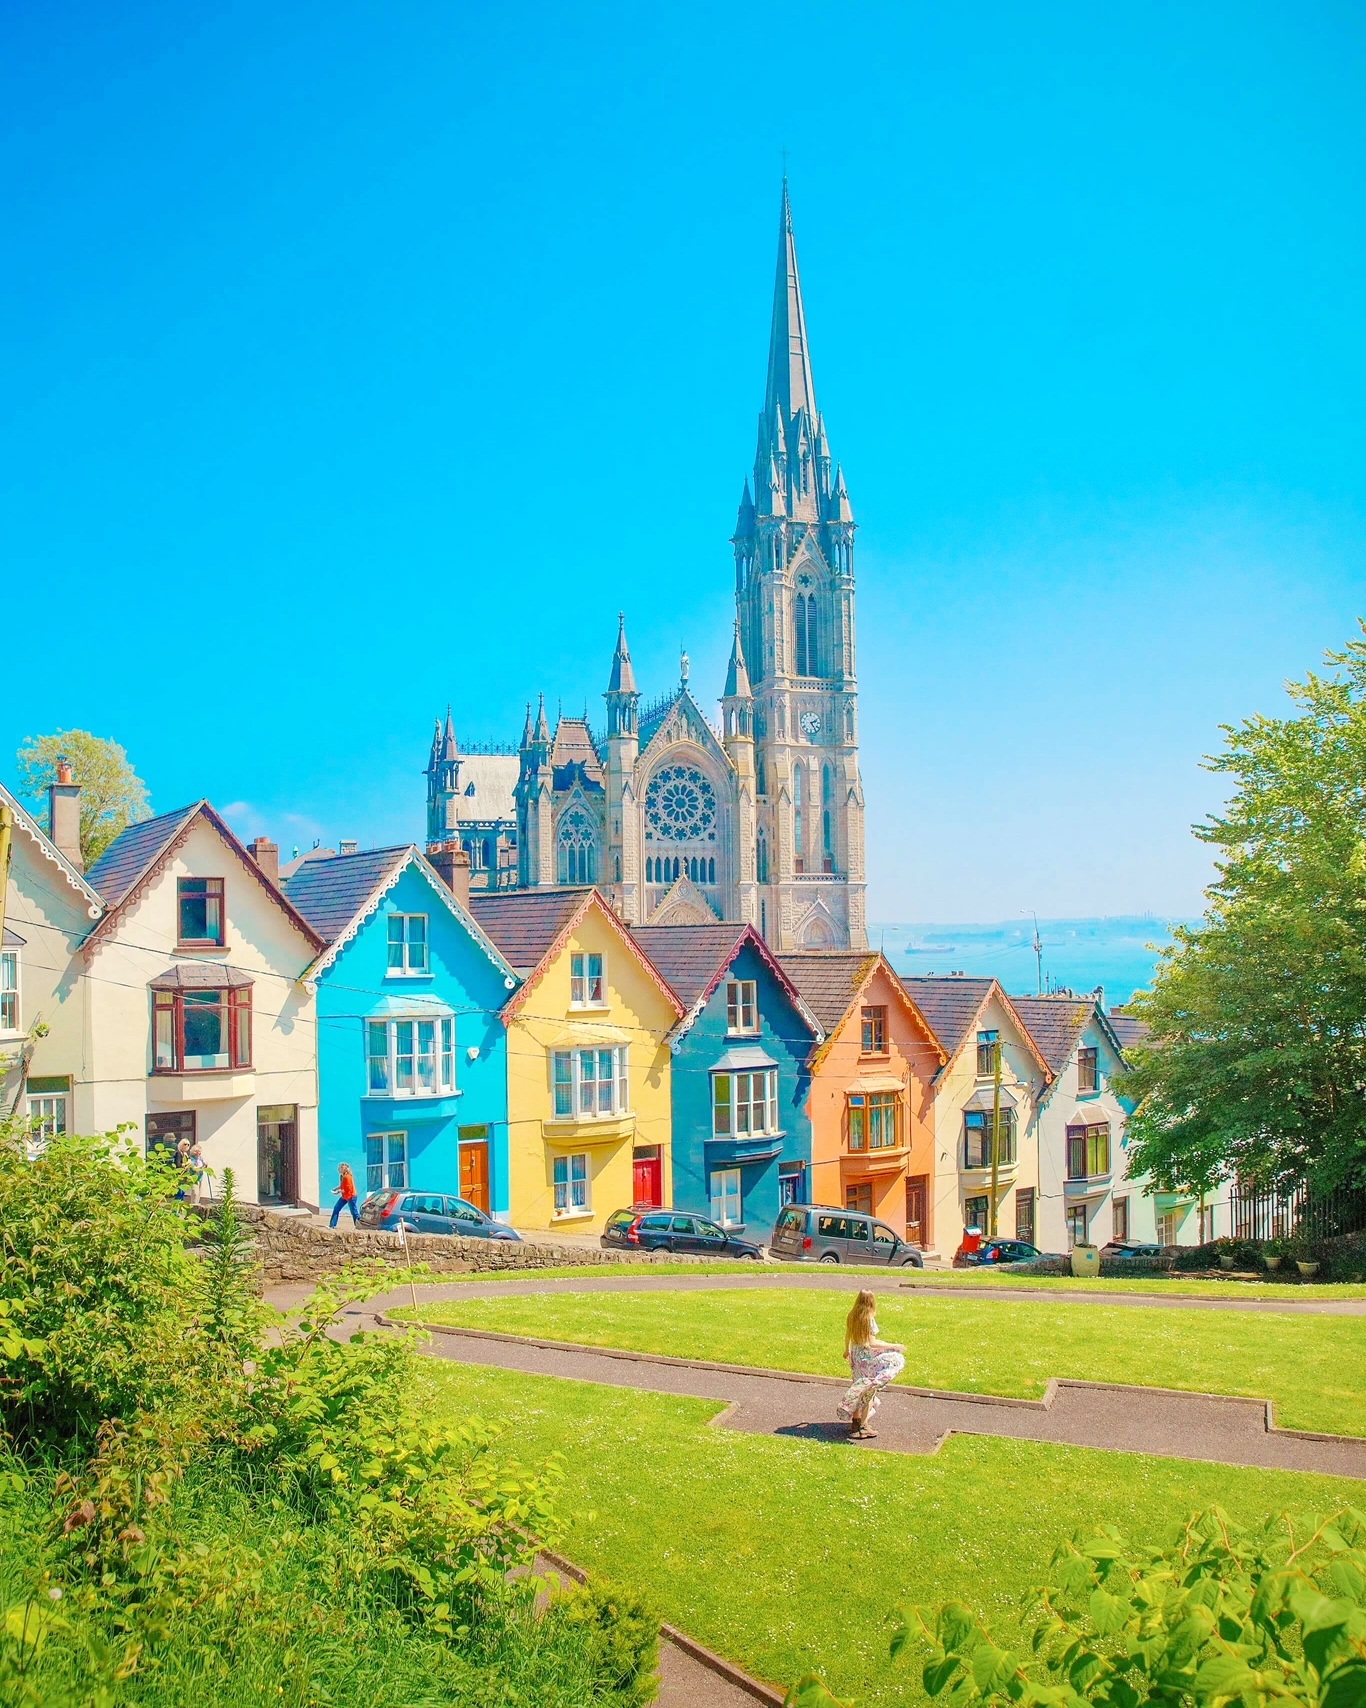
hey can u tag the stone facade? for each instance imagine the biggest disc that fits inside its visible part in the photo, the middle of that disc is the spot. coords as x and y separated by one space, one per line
679 821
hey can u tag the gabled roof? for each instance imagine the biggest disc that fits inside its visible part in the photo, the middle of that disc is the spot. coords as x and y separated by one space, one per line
833 980
693 960
952 1005
47 850
1055 1024
1128 1028
137 854
337 896
531 927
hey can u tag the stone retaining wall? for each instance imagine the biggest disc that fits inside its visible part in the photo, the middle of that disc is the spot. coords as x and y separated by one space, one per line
289 1249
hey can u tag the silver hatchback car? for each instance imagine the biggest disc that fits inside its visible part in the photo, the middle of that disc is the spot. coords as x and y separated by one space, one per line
819 1233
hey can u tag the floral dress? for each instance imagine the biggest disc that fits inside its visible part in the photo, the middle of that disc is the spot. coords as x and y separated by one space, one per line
872 1370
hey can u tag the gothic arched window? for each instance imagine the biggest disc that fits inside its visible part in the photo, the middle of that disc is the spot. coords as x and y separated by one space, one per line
827 820
799 815
578 848
763 860
808 664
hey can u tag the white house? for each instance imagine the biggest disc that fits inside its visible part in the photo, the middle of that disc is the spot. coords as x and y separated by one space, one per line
1086 1196
197 1022
50 909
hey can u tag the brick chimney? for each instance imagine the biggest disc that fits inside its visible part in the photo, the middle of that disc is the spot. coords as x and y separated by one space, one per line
452 864
348 847
267 856
64 814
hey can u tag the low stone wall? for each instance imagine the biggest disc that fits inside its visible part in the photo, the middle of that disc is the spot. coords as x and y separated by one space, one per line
289 1249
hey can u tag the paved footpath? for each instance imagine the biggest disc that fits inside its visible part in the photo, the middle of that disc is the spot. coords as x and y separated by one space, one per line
1157 1421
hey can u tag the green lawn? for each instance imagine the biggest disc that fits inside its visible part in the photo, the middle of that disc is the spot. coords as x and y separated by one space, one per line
1179 1286
789 1555
1314 1368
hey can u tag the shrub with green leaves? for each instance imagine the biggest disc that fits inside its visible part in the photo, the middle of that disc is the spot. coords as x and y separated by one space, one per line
1267 1617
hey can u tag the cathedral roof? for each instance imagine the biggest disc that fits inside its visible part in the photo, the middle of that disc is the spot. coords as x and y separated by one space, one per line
574 756
487 782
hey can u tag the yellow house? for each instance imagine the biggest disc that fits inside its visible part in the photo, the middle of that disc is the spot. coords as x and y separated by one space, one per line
589 1091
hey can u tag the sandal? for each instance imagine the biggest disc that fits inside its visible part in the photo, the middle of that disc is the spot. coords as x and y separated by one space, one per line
863 1434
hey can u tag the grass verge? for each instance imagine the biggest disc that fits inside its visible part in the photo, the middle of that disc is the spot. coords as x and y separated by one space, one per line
789 1555
1314 1368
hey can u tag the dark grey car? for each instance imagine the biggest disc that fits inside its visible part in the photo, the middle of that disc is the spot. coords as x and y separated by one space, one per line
819 1233
432 1213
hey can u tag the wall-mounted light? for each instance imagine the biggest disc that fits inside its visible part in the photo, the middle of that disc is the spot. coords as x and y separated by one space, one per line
472 1054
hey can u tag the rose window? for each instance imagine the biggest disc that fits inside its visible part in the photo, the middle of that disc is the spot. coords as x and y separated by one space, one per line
680 805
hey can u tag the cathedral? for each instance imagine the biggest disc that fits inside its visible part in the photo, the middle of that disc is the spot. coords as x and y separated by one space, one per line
676 819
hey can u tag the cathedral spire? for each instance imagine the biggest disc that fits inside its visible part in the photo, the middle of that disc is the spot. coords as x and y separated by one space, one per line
737 677
542 735
449 749
623 677
790 385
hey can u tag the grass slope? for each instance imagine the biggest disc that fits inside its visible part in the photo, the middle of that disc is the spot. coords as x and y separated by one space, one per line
1314 1368
789 1555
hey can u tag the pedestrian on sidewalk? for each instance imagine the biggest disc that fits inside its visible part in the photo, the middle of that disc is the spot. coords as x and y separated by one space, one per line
346 1196
873 1363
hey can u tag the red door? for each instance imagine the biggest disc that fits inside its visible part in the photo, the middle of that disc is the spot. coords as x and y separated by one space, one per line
648 1176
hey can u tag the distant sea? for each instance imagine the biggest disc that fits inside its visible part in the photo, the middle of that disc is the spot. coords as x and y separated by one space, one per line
1078 954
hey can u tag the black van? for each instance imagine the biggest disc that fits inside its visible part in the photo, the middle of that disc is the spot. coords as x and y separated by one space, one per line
818 1233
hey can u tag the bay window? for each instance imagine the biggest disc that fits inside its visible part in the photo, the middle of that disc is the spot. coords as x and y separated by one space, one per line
977 1138
410 1056
744 1103
874 1119
201 1030
588 1084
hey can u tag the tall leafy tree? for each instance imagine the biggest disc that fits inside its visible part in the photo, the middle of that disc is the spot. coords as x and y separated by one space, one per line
1257 1057
113 796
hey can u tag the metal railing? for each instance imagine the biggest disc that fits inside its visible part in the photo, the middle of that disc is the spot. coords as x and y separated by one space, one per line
1261 1215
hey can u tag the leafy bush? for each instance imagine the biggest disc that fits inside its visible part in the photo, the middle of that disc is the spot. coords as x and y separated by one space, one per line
213 1504
1273 1616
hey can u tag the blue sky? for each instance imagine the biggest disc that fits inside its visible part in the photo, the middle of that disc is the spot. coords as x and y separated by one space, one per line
360 358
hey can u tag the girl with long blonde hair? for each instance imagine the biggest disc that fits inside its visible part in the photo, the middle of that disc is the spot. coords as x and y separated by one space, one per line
873 1363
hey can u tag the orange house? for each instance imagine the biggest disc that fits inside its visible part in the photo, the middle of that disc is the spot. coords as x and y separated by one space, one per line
871 1106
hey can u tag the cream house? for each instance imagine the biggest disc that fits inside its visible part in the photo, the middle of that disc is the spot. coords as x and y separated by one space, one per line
970 1017
197 1022
49 911
1085 1194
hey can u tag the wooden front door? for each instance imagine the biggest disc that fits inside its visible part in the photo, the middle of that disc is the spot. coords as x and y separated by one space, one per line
474 1172
277 1153
916 1231
647 1176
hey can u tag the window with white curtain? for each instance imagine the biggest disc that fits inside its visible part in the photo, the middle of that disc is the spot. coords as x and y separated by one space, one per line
589 1084
410 1056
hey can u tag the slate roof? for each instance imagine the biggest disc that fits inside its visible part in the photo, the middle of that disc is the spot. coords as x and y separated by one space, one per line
487 781
134 851
689 957
828 979
329 893
1055 1023
1129 1029
950 1006
525 924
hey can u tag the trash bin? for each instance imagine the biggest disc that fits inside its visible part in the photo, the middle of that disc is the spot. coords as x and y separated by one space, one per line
1086 1260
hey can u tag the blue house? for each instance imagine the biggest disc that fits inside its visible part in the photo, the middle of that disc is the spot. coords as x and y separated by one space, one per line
412 1055
741 1129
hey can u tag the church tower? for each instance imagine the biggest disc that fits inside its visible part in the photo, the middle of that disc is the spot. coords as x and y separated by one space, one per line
794 593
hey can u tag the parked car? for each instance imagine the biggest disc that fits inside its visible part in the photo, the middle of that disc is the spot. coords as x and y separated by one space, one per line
1130 1248
432 1213
996 1251
819 1233
674 1230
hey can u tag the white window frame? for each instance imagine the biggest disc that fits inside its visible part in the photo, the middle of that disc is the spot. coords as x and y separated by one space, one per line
577 1085
415 1062
47 1111
409 965
11 993
572 1178
742 1007
379 1176
736 1099
727 1189
587 979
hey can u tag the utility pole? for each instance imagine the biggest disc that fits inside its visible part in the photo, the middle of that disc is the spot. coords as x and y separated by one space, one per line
995 1136
1038 954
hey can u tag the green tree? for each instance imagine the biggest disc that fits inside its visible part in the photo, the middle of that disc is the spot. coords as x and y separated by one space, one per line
1256 1061
113 796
